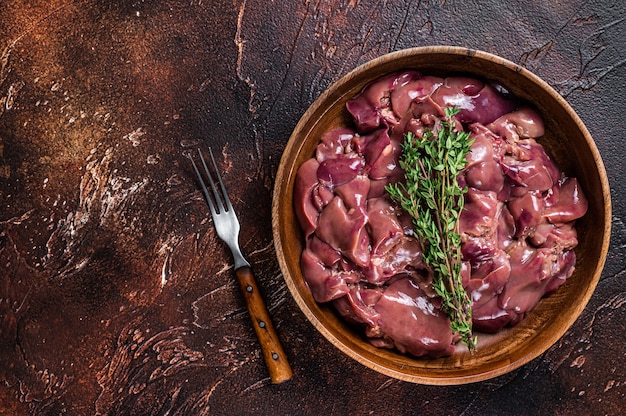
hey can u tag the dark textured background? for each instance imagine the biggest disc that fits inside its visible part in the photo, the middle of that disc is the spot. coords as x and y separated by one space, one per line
116 296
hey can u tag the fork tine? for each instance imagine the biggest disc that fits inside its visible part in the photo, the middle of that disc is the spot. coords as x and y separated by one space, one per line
203 186
216 195
229 206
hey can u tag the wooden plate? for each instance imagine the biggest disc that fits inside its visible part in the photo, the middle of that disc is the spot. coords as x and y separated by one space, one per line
566 139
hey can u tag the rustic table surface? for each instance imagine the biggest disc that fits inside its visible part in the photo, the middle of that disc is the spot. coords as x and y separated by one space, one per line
116 296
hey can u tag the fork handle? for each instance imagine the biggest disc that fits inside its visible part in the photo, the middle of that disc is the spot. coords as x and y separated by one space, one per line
275 357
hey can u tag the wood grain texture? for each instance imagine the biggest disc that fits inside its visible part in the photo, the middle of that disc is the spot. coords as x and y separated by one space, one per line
273 353
116 296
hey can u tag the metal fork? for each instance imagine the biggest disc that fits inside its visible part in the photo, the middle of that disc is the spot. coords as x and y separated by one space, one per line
227 227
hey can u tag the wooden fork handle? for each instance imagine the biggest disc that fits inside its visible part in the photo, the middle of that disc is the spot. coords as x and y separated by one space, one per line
275 357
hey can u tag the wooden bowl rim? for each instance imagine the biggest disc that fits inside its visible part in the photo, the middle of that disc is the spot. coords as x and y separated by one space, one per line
442 375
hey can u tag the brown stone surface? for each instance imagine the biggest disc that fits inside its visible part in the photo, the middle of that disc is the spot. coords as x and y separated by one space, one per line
116 297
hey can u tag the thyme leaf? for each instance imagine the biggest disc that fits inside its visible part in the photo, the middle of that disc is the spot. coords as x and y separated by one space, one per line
431 195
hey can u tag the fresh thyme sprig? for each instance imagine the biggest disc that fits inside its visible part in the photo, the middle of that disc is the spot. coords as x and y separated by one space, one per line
433 198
